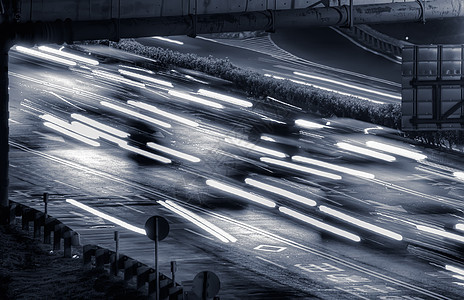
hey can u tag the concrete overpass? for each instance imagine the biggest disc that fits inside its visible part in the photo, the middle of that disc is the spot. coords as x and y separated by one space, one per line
58 21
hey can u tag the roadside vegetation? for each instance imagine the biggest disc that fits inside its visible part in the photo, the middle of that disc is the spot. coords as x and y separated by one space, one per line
324 103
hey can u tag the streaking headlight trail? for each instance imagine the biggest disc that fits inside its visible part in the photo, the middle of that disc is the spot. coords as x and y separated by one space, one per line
100 126
173 152
441 233
238 192
145 153
367 152
60 52
145 78
459 175
195 99
72 134
396 150
333 167
319 224
135 114
360 223
106 217
168 40
308 124
45 56
253 147
225 98
199 221
163 113
281 192
300 168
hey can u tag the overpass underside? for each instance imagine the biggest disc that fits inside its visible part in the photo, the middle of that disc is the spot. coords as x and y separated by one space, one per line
59 21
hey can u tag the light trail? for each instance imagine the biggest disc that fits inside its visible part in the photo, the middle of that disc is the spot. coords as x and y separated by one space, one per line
238 192
69 55
320 225
396 150
199 221
173 152
106 217
280 191
38 54
367 152
308 124
145 78
163 113
324 88
459 175
397 97
117 78
145 153
100 126
253 147
459 226
441 233
71 134
77 127
454 269
300 168
326 165
195 99
167 40
225 98
267 138
360 223
136 114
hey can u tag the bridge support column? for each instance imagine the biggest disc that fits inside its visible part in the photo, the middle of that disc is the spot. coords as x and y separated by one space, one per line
4 131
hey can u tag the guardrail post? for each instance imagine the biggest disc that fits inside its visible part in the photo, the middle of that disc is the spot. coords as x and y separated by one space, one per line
71 238
38 221
57 233
88 252
102 257
12 214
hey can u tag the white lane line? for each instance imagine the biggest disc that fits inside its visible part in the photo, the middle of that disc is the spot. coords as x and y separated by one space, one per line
271 262
352 293
199 234
67 184
134 209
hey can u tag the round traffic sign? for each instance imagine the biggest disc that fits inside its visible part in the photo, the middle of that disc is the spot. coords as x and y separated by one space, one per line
163 228
206 285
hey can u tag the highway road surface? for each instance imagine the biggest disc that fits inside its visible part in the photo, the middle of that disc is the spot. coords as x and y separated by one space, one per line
279 203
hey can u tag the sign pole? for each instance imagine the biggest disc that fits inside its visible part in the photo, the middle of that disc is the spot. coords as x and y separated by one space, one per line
156 259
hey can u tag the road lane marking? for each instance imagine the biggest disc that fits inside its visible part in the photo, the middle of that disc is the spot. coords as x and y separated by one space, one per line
271 262
67 184
134 209
313 268
269 248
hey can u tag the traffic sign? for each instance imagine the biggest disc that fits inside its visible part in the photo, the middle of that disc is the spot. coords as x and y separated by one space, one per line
206 285
163 228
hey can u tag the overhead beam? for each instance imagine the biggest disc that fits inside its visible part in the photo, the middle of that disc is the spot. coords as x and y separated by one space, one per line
69 30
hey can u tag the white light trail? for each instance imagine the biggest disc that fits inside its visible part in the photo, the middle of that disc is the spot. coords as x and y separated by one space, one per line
136 114
145 78
251 146
300 168
225 98
441 233
398 97
71 134
100 126
459 175
38 54
267 138
168 40
199 221
324 88
367 152
308 124
454 269
163 113
326 165
173 152
319 224
78 128
69 55
281 192
238 192
106 217
360 223
459 226
195 99
117 78
396 150
145 153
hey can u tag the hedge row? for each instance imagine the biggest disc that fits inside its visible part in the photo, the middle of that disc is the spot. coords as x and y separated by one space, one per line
324 103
